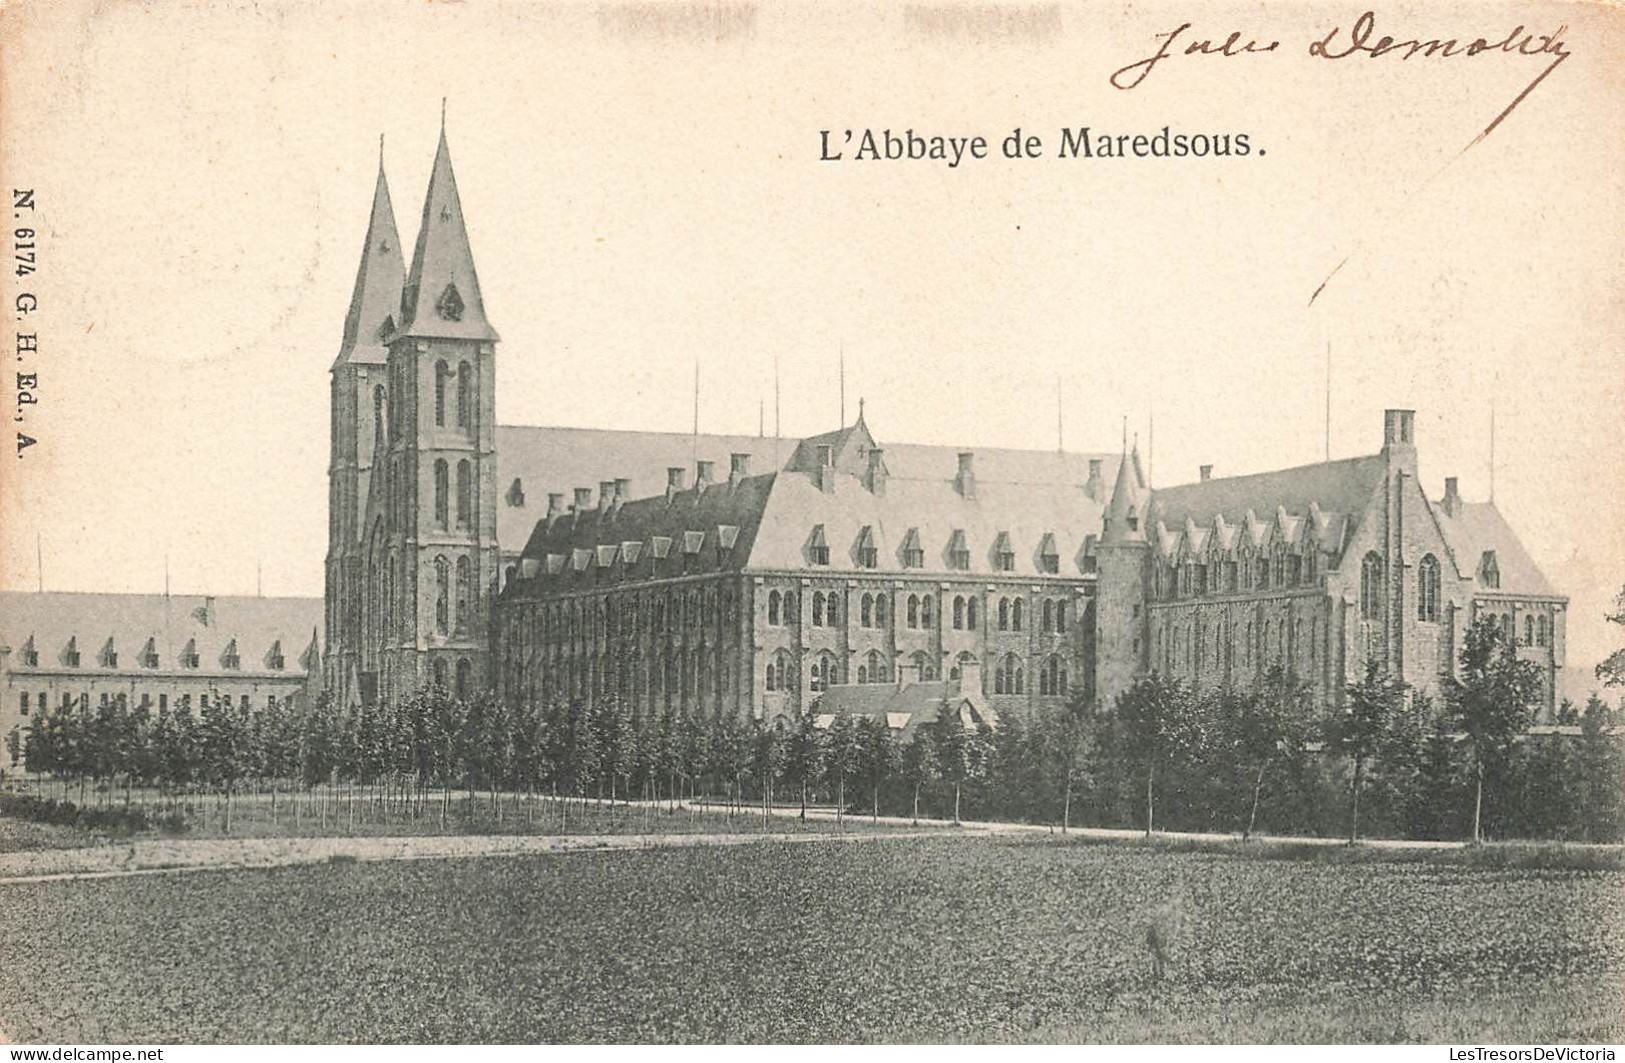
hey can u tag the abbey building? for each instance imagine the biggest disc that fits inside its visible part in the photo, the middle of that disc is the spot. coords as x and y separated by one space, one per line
751 575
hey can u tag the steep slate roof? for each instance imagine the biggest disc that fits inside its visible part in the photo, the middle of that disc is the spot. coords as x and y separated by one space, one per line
443 257
906 708
1479 526
1281 503
378 281
933 506
558 460
51 619
711 515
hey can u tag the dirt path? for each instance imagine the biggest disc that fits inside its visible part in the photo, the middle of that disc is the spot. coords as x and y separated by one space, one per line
167 856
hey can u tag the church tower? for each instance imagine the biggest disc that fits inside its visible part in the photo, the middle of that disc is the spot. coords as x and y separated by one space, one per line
1123 560
359 404
436 551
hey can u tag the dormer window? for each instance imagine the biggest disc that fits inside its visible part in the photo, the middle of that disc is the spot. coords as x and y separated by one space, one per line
108 658
959 551
451 304
70 655
913 550
149 654
1489 570
1133 519
1004 555
868 553
273 660
229 659
30 654
1049 557
189 657
818 547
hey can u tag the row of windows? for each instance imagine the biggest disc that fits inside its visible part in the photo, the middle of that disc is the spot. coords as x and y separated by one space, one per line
1197 647
866 552
442 594
1373 577
108 657
1537 630
465 393
442 489
25 704
1195 578
1009 673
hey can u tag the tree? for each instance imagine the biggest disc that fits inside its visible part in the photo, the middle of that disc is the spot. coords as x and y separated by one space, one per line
878 758
1076 749
805 749
841 758
1602 773
1374 706
1612 670
1491 702
768 759
962 751
920 766
1153 716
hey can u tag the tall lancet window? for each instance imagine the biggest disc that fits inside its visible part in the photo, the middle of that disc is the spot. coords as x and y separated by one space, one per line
441 371
465 395
442 493
442 595
465 493
465 591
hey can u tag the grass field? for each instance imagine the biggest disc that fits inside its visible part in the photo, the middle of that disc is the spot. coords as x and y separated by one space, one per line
957 938
258 817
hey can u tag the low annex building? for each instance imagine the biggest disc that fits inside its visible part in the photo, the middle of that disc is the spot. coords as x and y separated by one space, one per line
154 650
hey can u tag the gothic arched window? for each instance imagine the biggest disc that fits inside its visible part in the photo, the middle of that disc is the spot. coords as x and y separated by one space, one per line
913 613
877 667
1427 588
1004 614
440 674
465 395
959 613
465 493
1060 617
818 609
378 415
923 665
1371 587
442 492
830 612
1016 610
880 610
822 673
465 591
867 611
441 371
925 611
465 677
970 614
442 595
773 608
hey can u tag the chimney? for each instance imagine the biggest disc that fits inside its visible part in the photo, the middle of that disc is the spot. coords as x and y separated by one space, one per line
623 489
1095 488
702 473
970 678
606 493
1399 439
907 675
583 499
1452 497
874 477
738 468
1206 472
825 473
674 480
555 503
965 481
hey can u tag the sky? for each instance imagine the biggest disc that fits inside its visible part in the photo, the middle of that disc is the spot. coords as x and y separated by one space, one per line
644 193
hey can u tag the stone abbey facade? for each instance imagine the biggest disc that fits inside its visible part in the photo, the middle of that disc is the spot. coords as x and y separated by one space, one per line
576 563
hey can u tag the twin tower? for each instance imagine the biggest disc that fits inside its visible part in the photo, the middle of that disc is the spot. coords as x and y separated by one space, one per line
412 556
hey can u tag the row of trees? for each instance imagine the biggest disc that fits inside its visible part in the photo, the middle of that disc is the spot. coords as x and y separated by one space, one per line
1392 763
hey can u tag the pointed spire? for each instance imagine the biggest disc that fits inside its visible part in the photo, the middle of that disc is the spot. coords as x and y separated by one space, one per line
441 298
1125 513
377 280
